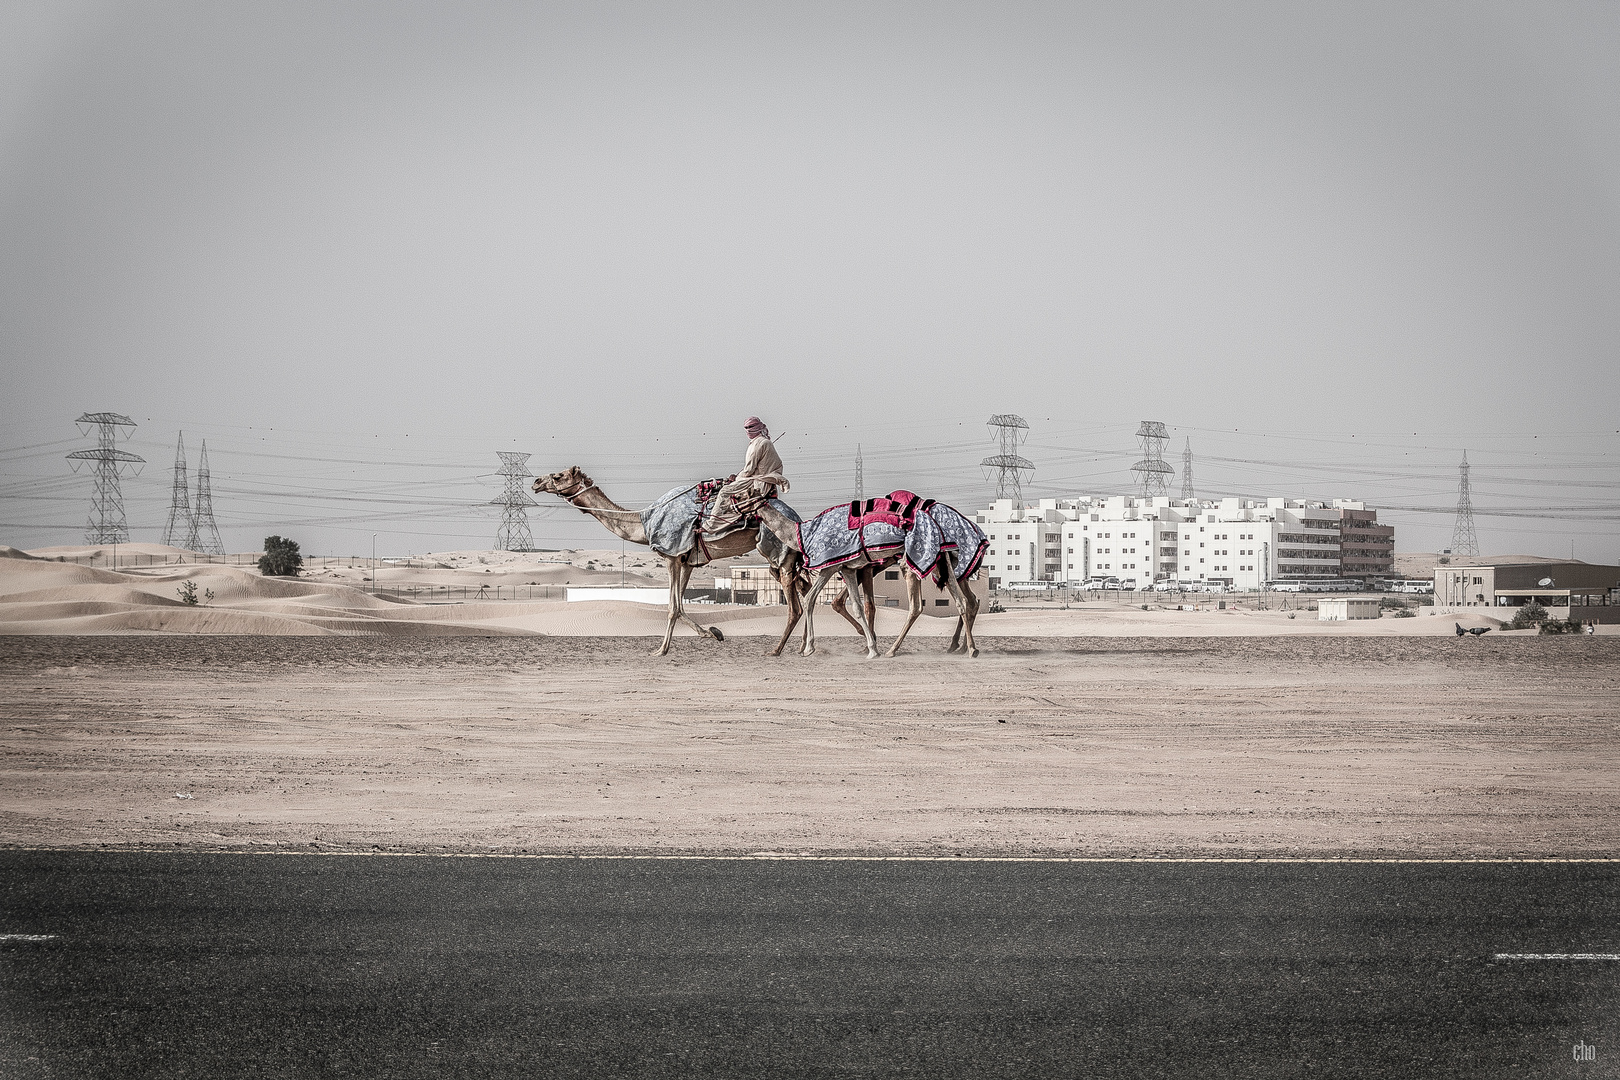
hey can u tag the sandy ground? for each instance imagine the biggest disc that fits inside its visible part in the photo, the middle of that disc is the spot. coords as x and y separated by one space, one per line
39 595
1299 744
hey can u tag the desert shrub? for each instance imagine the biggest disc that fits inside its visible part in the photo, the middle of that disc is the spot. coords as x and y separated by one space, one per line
1403 613
280 558
1527 616
189 597
1561 626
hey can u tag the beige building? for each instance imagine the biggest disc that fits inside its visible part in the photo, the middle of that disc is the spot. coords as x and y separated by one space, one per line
1582 591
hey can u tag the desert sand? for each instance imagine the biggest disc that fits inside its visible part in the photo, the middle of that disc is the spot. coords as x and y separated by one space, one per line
39 595
307 714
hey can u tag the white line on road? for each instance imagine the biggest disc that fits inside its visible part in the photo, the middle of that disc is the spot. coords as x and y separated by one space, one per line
773 856
27 937
1557 956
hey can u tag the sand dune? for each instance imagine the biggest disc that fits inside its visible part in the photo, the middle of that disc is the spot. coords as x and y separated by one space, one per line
41 595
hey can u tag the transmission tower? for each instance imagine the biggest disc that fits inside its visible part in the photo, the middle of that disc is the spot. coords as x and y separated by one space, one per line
1186 472
107 524
180 529
1153 475
1463 540
514 503
860 475
1009 432
204 536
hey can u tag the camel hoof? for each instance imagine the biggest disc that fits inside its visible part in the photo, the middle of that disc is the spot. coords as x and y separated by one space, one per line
714 632
973 653
871 654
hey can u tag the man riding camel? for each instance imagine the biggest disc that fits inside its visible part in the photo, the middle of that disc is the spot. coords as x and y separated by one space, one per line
760 478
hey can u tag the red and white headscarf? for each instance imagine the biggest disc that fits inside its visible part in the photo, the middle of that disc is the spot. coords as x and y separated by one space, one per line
756 427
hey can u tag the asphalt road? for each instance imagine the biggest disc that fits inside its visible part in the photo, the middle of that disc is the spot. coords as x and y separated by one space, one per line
199 965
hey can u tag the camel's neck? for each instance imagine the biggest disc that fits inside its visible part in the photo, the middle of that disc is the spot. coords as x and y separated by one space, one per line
785 528
617 519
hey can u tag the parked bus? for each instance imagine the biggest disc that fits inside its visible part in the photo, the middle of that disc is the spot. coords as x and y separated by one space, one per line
1416 586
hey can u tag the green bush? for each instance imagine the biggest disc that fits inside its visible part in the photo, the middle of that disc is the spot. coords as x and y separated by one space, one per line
1527 616
1403 613
1562 626
280 558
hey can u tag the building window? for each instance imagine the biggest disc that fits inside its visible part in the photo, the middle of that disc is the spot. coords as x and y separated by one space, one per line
891 575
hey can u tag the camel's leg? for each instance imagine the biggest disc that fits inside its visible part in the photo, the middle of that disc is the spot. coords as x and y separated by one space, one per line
788 577
868 589
967 606
810 610
852 583
680 600
839 605
675 586
914 599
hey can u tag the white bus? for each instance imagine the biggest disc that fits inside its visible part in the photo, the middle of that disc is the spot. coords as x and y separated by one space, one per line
1315 585
1417 586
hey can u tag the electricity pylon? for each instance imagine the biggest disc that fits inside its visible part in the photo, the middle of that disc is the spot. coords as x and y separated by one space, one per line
107 524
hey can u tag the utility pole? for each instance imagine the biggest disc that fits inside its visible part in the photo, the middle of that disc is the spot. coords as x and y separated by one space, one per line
1463 540
514 502
204 533
107 524
1152 472
1010 433
860 475
179 526
1186 472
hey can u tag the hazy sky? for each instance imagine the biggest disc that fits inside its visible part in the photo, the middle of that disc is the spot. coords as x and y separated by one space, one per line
359 247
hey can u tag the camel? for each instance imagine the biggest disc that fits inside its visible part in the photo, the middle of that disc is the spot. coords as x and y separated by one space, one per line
866 576
967 607
581 492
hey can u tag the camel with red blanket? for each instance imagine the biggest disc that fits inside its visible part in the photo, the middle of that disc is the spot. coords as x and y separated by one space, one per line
924 537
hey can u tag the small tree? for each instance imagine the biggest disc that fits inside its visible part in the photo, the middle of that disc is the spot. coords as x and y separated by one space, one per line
1529 615
280 557
188 594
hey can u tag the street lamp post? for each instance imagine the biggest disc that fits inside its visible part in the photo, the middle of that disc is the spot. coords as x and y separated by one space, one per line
373 564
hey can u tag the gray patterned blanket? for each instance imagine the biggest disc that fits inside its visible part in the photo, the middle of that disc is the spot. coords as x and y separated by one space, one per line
829 540
672 520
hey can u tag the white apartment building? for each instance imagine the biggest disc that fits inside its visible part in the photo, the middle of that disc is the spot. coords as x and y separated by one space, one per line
1235 542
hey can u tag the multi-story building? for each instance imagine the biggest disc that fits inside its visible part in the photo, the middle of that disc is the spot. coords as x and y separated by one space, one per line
1235 542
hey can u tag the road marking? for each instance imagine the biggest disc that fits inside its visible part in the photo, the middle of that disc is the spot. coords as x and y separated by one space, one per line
767 856
27 937
1556 956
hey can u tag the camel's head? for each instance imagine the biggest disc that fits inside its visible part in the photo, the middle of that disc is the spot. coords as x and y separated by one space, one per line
571 481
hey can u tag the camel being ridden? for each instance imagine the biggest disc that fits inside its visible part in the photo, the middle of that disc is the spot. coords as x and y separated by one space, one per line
945 571
581 492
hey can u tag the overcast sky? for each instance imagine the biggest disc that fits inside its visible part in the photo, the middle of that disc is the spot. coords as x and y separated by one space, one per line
359 247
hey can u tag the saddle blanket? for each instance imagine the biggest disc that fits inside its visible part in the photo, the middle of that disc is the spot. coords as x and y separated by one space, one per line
672 520
839 535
